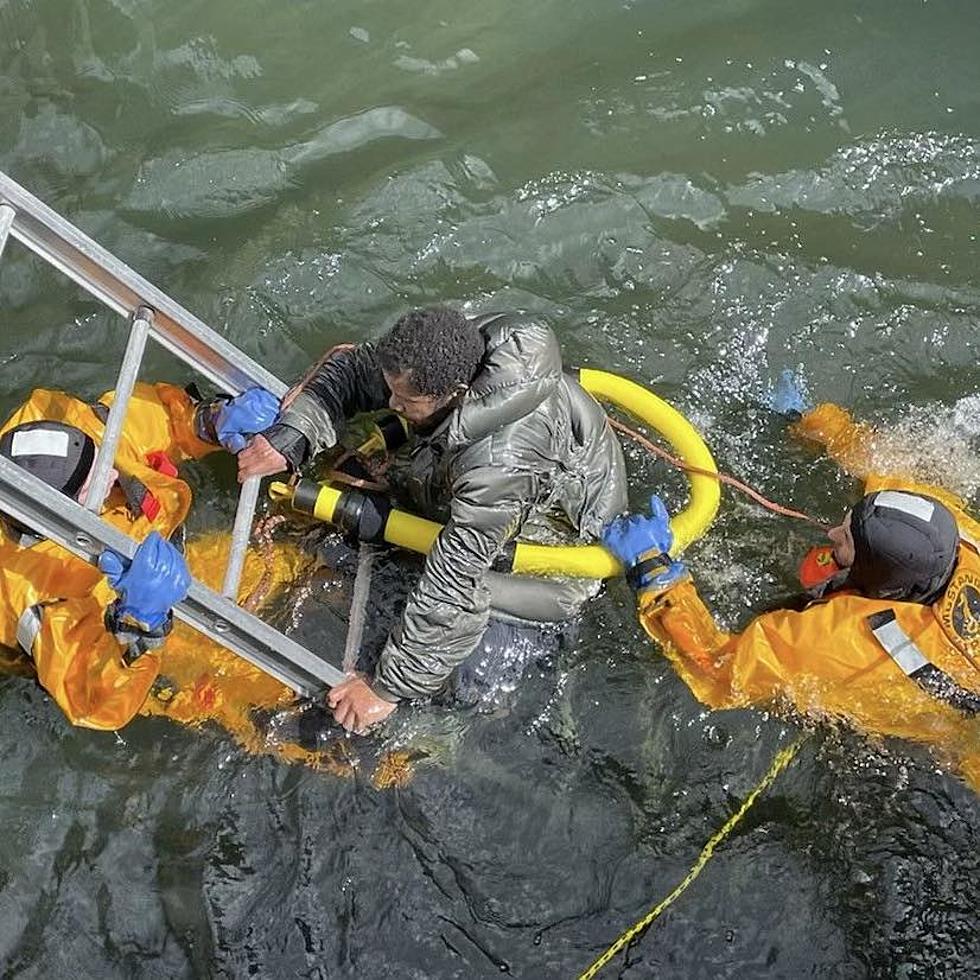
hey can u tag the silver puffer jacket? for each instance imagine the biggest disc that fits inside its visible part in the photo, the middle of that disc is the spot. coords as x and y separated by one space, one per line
526 453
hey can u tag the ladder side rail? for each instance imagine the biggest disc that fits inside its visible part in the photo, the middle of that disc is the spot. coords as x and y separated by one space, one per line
222 621
125 382
95 269
32 502
58 242
7 215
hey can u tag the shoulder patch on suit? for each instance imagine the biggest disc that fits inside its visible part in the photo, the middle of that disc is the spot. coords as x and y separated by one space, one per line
959 611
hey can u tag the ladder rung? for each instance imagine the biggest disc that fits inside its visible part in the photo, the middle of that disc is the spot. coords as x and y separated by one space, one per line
241 534
128 372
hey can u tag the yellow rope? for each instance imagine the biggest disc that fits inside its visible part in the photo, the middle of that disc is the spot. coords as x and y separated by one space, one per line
779 763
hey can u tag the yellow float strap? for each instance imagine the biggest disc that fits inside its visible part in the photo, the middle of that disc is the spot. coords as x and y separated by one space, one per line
331 504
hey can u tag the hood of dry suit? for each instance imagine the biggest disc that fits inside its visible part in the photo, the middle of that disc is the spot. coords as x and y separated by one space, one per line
905 546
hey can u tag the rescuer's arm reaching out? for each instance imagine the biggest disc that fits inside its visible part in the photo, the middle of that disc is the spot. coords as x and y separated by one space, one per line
852 445
723 670
846 442
829 426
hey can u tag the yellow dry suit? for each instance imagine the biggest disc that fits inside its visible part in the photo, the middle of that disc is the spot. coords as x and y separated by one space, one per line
893 668
52 604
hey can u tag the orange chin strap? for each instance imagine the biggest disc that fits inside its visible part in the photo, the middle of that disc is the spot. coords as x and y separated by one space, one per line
818 566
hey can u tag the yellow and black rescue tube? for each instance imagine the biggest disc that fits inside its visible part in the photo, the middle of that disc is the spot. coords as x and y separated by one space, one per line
356 511
643 404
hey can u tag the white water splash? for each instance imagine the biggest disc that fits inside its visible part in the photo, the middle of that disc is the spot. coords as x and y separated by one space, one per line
934 444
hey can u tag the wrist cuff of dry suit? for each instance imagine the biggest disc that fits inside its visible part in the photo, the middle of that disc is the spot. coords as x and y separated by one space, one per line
648 566
206 420
136 638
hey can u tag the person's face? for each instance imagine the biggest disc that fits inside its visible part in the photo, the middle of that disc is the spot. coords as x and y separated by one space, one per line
843 542
407 402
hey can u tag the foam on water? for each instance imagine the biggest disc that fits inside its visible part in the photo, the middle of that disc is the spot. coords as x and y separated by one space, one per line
938 444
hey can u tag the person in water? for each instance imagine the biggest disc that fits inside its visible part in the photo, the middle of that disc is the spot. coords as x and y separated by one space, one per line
890 637
95 637
504 444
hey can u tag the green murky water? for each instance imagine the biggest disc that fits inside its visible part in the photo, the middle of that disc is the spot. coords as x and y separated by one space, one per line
696 195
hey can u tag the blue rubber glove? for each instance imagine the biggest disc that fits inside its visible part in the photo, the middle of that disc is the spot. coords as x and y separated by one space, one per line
634 539
250 412
149 586
788 396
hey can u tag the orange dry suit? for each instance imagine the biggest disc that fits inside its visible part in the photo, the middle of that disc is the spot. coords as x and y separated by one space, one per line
893 668
52 604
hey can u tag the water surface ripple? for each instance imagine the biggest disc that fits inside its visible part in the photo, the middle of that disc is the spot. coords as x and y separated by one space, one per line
696 195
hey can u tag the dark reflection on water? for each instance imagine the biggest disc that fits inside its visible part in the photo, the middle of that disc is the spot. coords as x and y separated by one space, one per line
171 854
696 195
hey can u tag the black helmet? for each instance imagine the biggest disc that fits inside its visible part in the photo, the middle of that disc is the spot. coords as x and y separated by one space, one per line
58 454
905 546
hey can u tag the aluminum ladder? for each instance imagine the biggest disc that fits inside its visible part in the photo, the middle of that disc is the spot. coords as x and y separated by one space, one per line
153 315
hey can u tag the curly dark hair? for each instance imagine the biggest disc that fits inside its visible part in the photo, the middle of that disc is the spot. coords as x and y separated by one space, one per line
439 346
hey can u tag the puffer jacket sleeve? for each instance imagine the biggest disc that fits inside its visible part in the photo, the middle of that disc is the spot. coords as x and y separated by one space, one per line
346 383
447 613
